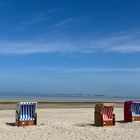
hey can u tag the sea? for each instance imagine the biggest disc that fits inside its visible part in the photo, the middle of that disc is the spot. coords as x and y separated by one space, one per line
66 96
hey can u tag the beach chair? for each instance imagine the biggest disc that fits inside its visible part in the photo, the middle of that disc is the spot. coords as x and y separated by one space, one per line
26 113
132 110
104 115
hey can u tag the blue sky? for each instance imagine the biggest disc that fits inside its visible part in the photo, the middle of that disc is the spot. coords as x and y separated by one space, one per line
73 46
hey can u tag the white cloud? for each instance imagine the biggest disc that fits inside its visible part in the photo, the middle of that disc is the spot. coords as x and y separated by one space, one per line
88 70
121 43
63 23
70 21
36 47
104 70
73 69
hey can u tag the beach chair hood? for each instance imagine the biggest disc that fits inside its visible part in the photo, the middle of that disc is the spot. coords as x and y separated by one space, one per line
27 110
135 109
107 112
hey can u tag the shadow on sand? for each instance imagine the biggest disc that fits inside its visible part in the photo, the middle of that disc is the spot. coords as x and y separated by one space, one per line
84 125
11 124
93 125
121 121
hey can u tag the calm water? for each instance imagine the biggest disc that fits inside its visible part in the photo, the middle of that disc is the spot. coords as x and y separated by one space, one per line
66 97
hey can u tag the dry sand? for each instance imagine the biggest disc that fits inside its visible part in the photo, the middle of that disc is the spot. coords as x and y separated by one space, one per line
67 124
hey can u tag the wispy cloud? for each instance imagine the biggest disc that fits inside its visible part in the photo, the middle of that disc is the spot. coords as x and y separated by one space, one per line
36 47
63 23
89 70
104 70
77 70
34 19
31 20
68 22
120 43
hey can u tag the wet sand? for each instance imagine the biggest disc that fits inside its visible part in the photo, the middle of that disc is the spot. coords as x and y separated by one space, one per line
44 104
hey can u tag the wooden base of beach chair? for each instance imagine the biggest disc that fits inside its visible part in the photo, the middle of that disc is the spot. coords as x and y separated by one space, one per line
136 118
26 123
100 122
108 123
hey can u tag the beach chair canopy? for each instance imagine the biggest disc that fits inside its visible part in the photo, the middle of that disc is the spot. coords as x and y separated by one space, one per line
135 109
27 110
106 110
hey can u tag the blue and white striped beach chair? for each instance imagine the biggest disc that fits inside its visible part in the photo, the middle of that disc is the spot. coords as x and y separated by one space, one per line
26 113
135 108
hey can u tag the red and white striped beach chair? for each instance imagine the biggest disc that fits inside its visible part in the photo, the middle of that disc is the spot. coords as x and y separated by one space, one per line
26 114
104 115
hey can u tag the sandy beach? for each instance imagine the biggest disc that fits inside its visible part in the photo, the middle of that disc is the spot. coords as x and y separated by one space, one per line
67 124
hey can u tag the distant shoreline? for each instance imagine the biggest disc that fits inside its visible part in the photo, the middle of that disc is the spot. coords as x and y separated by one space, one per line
66 96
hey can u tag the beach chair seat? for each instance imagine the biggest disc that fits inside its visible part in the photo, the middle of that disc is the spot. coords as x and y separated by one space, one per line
132 110
26 113
103 115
